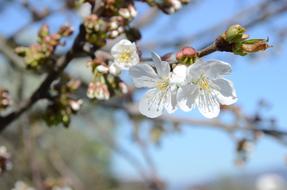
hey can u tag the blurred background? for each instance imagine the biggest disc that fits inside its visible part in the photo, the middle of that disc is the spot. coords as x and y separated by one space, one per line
108 148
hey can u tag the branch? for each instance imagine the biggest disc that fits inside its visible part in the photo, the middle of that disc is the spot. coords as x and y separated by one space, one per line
43 89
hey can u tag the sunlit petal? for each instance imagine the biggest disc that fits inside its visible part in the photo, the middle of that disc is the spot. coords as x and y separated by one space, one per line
227 93
143 75
152 104
186 97
179 74
217 68
207 104
162 67
171 103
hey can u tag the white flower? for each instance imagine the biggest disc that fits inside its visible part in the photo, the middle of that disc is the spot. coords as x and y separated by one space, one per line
125 54
163 84
206 88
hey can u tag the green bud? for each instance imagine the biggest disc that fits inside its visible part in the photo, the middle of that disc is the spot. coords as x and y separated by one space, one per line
250 46
234 33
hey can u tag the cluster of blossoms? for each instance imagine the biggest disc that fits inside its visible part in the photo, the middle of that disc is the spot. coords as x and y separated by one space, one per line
106 82
5 160
112 22
64 104
4 99
200 84
168 6
38 54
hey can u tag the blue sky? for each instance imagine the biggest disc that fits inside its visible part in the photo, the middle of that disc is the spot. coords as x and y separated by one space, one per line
198 154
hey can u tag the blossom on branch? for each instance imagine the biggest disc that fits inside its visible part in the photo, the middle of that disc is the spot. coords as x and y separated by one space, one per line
125 54
205 88
163 84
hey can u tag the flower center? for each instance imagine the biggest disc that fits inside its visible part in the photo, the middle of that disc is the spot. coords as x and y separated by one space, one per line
202 83
125 56
162 85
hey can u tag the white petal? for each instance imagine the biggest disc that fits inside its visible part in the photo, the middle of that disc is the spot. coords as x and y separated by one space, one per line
217 68
143 75
224 100
152 104
195 70
155 57
118 46
171 103
227 93
162 67
178 74
186 97
207 104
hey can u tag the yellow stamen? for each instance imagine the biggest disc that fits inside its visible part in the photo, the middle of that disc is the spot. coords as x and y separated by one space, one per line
202 82
162 85
125 56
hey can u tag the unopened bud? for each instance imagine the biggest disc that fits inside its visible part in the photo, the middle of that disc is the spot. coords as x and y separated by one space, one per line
114 69
102 69
251 46
75 104
234 33
98 90
113 34
124 12
186 55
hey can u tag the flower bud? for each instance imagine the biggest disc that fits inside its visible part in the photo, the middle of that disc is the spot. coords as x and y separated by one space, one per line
75 104
234 33
4 99
98 90
251 46
124 12
254 45
102 69
186 55
113 34
114 69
